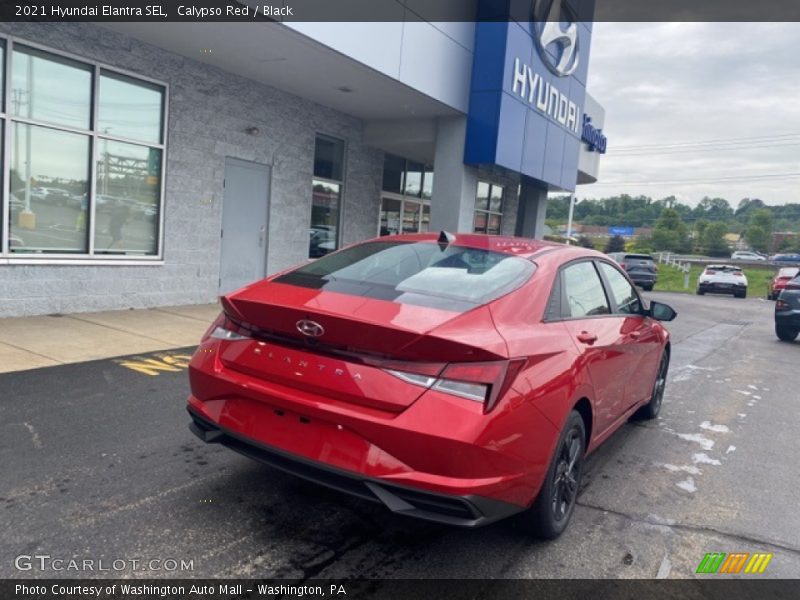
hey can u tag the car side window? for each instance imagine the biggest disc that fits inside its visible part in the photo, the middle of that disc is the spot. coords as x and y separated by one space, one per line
625 297
583 291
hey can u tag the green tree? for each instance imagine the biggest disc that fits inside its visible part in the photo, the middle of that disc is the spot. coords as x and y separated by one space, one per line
713 241
585 242
759 230
671 233
615 244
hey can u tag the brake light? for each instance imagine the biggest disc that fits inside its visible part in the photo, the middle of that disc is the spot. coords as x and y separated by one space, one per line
738 274
781 305
624 268
710 272
225 328
484 382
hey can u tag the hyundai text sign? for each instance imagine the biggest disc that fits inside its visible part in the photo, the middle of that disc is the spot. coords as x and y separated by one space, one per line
528 89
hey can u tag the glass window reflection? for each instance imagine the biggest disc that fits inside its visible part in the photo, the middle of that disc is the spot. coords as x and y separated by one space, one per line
129 108
323 233
128 186
49 190
50 88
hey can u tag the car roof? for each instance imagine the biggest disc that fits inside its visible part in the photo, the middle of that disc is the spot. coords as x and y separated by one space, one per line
517 246
789 270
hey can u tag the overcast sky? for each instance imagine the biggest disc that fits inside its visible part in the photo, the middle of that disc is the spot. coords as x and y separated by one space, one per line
680 83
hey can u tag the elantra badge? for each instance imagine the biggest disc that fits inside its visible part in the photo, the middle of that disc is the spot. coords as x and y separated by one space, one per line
310 328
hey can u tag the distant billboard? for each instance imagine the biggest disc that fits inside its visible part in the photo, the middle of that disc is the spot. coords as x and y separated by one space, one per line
620 230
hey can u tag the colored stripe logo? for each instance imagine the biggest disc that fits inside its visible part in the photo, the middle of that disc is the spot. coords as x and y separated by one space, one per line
734 563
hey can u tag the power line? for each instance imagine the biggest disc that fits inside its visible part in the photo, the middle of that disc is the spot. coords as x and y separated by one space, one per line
775 176
708 142
719 149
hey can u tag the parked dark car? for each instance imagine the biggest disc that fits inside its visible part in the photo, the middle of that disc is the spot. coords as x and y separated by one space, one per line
787 311
641 268
786 258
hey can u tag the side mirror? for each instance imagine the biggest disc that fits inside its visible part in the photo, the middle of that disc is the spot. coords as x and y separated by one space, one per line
662 312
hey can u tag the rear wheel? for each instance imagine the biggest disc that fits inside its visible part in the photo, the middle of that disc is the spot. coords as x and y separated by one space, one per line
700 292
648 288
552 509
786 334
652 408
742 294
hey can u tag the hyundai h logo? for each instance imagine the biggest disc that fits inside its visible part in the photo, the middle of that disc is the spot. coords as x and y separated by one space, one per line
310 328
556 32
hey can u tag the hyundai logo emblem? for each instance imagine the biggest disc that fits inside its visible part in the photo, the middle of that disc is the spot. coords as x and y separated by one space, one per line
556 32
309 328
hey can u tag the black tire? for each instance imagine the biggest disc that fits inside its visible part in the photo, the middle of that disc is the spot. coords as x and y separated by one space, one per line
549 515
741 294
700 292
647 288
652 408
786 334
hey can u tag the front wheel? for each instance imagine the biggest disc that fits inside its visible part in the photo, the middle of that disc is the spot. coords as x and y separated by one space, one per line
552 509
786 334
652 408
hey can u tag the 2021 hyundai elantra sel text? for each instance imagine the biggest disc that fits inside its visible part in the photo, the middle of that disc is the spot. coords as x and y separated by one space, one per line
456 378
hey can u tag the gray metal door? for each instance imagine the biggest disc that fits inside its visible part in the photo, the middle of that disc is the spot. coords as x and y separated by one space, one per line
244 224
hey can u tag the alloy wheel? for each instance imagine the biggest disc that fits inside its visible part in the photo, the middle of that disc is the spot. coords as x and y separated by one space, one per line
567 474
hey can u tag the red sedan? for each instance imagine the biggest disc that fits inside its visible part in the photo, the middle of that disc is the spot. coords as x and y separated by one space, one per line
456 378
784 276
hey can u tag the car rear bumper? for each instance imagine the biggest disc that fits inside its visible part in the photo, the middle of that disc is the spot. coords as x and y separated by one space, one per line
643 278
465 510
790 318
721 288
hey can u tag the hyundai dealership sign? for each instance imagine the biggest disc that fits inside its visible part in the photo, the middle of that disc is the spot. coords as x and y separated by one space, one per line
528 91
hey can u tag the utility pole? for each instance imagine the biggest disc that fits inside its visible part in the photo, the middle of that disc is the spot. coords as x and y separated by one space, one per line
572 200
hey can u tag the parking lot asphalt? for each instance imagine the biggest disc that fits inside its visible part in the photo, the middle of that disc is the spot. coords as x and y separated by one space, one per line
98 463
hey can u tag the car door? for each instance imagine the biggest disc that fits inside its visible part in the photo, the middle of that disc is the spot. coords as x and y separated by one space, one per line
587 316
637 337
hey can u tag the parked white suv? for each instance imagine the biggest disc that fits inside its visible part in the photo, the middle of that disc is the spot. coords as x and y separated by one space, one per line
722 279
747 255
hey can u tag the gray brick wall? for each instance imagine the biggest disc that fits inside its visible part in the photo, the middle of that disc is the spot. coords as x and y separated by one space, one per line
208 113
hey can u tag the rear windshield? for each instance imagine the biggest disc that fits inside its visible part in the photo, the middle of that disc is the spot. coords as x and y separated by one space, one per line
454 278
725 268
638 257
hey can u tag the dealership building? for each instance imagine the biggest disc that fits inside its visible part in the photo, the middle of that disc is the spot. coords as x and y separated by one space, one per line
152 164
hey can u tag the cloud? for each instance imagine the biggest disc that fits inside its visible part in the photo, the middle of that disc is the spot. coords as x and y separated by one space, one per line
669 83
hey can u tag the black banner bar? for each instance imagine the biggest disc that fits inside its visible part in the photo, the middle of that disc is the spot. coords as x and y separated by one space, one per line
391 10
709 588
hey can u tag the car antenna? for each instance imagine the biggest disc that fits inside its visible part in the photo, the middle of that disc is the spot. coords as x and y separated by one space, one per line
445 239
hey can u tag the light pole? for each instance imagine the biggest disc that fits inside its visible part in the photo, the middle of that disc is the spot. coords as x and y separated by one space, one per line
572 200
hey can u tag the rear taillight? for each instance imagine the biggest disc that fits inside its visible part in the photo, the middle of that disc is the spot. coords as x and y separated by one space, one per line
225 328
710 272
738 274
483 382
781 305
624 268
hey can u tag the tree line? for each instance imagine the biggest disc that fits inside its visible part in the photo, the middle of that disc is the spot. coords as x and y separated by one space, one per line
678 227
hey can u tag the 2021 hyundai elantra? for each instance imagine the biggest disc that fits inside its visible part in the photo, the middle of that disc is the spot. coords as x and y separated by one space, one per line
456 378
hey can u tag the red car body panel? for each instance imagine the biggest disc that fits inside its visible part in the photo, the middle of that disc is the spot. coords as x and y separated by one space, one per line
347 412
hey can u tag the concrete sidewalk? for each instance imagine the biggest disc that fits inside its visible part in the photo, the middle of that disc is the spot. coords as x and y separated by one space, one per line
33 342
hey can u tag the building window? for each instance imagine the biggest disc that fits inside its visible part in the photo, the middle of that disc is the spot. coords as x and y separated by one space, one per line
488 208
405 203
85 160
326 196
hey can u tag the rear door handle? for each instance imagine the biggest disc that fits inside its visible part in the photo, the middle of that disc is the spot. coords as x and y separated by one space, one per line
587 338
